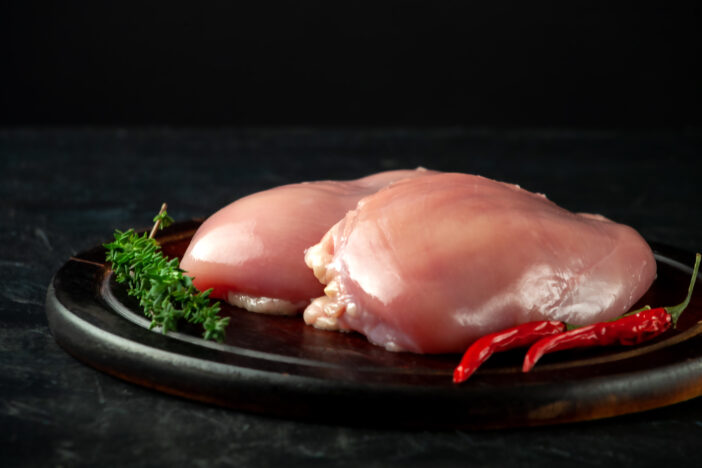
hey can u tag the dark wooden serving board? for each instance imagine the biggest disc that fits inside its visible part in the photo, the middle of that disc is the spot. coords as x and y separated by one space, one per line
279 366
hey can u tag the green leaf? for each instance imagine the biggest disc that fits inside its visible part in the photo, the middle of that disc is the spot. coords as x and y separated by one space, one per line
165 219
164 292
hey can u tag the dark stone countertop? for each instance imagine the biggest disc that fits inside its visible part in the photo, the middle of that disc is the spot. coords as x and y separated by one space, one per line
65 190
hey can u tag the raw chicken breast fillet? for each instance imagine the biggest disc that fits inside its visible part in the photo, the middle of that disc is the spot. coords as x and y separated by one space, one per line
251 252
429 265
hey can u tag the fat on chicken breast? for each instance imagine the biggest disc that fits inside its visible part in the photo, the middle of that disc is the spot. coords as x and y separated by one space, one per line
251 252
430 264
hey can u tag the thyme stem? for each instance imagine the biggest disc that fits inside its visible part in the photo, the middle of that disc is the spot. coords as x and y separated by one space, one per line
165 294
157 220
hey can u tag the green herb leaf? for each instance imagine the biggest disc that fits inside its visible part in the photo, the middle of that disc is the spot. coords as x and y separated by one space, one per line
164 218
165 294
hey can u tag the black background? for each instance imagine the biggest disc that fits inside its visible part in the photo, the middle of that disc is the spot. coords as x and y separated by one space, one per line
505 63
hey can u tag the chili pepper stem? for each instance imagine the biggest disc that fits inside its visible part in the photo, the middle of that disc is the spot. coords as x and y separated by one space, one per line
676 311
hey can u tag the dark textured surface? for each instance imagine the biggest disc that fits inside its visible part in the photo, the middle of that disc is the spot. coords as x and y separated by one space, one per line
62 191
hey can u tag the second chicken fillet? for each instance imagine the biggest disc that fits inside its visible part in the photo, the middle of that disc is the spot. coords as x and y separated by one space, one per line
430 264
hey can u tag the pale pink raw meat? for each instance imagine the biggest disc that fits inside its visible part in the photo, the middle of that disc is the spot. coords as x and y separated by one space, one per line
430 264
251 252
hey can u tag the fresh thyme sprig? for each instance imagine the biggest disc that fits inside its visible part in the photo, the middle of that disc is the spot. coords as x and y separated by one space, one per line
161 220
165 294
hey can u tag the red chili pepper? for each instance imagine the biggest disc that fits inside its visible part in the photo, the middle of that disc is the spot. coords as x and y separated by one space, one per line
631 329
483 348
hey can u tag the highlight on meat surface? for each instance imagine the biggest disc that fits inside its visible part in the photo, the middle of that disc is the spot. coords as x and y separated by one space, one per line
431 264
251 252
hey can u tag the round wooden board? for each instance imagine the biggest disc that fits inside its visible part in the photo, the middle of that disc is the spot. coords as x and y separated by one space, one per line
279 366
